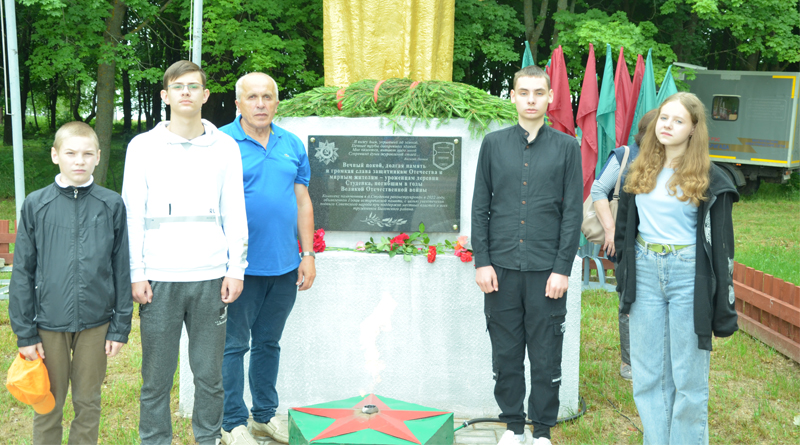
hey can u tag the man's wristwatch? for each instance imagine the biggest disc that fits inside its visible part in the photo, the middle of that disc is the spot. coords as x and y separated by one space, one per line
305 254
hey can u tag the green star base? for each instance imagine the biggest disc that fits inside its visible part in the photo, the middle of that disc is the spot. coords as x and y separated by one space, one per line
304 427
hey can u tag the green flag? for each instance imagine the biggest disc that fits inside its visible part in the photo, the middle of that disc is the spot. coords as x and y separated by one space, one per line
647 96
606 108
527 58
668 87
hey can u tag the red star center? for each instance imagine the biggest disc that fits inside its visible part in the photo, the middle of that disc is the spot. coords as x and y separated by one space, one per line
386 420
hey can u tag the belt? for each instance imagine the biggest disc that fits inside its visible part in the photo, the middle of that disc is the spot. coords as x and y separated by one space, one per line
155 223
661 248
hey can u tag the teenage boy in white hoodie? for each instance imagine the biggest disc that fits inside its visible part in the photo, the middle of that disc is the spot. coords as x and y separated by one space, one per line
188 239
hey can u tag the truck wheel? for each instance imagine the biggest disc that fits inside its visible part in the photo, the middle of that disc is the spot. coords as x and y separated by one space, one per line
750 187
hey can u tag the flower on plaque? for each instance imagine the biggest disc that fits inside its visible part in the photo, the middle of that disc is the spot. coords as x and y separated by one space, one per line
319 241
399 240
431 254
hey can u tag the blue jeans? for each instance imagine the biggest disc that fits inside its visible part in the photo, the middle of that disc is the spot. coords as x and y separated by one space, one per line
261 310
670 374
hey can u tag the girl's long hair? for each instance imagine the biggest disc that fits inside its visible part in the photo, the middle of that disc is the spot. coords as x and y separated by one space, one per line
691 169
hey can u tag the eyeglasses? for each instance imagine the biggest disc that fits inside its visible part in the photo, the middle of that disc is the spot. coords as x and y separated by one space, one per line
193 87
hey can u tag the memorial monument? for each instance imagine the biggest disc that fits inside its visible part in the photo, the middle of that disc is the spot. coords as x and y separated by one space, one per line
410 331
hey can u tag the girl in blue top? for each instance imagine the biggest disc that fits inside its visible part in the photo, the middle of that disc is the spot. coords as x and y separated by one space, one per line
675 236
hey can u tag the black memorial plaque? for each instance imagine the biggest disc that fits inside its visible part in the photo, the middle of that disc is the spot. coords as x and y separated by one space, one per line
385 183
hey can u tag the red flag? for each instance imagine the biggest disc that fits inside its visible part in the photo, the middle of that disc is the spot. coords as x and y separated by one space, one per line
638 76
623 85
587 121
560 111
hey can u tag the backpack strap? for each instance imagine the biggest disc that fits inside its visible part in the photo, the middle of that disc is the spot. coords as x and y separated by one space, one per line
621 170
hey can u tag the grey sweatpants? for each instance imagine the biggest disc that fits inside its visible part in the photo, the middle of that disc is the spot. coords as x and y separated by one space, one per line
198 304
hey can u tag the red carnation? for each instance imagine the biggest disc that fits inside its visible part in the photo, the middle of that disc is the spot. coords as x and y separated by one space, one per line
319 240
399 240
431 254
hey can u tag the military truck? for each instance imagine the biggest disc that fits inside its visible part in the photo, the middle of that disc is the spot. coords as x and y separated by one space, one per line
752 123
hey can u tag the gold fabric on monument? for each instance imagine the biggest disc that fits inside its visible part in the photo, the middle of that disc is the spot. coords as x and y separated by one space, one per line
382 39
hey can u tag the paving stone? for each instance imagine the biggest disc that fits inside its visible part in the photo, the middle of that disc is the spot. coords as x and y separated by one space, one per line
471 432
480 440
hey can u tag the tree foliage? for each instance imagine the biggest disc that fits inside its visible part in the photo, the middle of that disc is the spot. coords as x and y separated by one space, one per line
283 39
578 30
487 38
64 46
761 32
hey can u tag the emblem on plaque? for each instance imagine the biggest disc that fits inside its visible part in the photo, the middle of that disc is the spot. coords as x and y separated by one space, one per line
327 152
444 155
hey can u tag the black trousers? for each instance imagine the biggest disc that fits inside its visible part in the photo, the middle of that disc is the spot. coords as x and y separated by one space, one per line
519 315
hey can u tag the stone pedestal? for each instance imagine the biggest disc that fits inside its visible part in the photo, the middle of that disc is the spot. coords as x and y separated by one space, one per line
436 351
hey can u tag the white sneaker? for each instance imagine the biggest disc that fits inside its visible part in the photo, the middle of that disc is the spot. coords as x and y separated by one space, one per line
238 436
542 441
273 429
509 438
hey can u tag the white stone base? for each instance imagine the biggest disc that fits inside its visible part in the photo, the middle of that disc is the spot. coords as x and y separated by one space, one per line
436 354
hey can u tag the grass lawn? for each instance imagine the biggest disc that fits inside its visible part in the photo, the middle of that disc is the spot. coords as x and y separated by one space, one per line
767 230
119 423
755 391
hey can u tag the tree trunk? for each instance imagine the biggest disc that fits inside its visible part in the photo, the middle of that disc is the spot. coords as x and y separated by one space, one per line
93 111
53 100
561 6
144 104
76 103
496 83
8 137
26 86
688 50
752 61
533 30
220 109
24 49
155 90
139 107
33 106
106 77
722 53
126 102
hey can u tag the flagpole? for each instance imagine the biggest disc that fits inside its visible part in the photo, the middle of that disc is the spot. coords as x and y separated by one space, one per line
197 32
16 108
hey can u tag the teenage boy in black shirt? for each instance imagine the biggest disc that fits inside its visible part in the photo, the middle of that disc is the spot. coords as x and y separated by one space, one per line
526 215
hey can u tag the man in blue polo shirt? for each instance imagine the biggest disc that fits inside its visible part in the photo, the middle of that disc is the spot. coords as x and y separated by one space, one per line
279 212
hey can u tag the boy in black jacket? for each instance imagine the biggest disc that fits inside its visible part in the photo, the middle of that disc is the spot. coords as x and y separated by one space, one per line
70 294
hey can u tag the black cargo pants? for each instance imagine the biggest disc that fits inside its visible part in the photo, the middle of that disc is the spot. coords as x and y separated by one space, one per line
519 315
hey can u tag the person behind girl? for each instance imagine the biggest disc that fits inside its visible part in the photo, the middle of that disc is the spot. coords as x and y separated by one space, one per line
602 193
674 238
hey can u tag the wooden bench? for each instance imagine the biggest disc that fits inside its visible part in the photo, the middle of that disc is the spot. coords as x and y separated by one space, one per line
6 257
769 309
